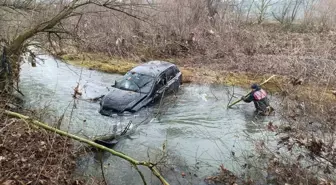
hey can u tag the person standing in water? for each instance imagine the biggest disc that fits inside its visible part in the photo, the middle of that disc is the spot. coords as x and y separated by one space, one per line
260 100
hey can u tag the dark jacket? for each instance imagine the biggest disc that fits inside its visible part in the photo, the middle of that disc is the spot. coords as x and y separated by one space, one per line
260 100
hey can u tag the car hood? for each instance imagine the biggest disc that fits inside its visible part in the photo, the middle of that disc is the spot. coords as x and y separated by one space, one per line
120 100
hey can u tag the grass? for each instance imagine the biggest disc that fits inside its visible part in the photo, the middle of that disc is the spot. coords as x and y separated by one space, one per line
246 79
107 64
100 62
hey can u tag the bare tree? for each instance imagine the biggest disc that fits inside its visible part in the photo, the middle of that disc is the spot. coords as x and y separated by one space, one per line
212 6
50 24
324 10
308 7
249 11
262 7
288 11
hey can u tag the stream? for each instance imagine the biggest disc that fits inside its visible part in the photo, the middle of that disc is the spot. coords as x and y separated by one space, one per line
198 131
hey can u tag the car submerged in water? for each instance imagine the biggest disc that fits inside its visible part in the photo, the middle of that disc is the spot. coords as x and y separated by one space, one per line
144 84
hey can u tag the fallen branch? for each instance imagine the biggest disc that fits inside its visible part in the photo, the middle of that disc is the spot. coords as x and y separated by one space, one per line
237 101
113 152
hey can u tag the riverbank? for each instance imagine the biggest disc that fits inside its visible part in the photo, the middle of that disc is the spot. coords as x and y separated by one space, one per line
191 74
217 72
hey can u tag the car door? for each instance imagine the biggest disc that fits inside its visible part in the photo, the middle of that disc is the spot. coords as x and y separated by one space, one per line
160 86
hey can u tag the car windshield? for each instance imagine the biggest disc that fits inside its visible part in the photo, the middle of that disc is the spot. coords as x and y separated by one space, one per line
136 82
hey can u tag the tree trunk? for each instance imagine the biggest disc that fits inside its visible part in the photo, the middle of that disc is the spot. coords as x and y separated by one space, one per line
10 77
10 69
6 74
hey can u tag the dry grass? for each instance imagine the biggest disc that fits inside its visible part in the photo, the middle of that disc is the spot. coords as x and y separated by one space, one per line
187 75
107 64
29 155
100 62
104 63
224 49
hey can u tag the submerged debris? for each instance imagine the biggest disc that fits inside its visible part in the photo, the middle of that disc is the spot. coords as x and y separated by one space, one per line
225 177
77 92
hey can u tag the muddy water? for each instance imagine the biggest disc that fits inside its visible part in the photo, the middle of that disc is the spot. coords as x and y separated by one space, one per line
198 131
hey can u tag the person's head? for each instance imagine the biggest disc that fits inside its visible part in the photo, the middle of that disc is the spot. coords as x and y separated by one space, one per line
255 87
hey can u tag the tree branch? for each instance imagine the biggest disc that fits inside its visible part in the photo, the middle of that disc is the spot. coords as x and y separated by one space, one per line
91 143
102 166
118 10
17 43
18 6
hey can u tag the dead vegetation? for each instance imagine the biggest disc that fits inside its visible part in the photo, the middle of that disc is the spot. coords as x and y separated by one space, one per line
32 156
212 42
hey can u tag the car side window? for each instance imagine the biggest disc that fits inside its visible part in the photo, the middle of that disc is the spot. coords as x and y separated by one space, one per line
176 70
170 73
161 82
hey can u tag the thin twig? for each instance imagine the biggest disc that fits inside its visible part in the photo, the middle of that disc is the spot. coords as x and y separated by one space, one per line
230 99
45 161
213 94
141 174
102 166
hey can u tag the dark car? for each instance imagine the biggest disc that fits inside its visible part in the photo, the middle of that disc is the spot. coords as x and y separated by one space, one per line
142 85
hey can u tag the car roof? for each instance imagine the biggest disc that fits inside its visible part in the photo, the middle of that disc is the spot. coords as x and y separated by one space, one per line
152 68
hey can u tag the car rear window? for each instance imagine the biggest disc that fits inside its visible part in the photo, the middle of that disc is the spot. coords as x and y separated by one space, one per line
171 72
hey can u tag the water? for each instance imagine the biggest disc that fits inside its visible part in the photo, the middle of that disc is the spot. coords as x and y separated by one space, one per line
198 131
